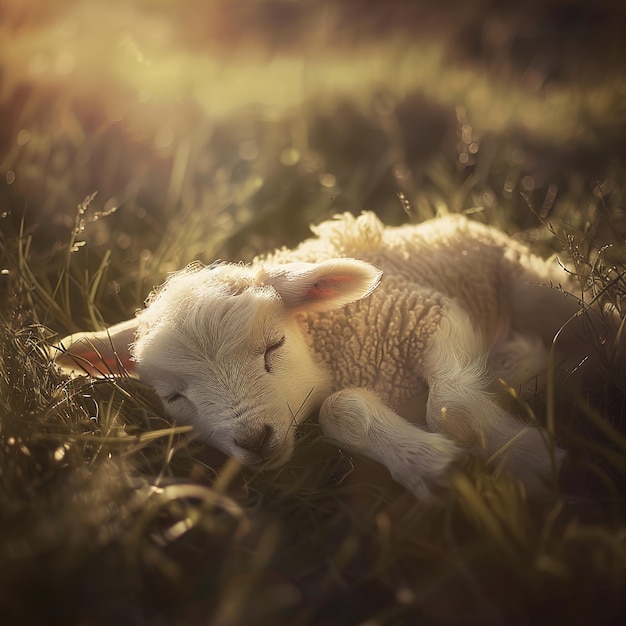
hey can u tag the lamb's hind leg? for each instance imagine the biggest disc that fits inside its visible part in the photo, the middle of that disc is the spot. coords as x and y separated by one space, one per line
359 420
460 405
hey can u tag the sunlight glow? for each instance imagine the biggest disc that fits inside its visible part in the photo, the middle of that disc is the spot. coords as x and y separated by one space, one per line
137 66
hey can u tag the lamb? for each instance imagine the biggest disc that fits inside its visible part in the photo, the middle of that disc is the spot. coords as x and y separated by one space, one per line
367 325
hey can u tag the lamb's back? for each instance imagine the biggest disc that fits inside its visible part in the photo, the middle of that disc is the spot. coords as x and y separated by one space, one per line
451 256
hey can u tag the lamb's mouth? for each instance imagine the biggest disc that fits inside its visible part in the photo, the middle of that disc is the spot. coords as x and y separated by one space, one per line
272 463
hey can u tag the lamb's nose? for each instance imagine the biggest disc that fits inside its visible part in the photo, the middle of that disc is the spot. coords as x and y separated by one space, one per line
262 442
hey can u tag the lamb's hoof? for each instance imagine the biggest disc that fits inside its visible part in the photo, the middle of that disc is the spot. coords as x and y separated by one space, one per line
533 464
425 470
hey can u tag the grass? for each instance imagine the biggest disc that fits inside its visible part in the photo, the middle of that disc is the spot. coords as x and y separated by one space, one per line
109 513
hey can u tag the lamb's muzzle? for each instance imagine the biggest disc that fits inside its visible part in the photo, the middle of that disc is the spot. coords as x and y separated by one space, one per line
262 445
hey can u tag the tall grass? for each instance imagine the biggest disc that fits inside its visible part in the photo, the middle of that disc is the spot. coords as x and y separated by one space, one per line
109 512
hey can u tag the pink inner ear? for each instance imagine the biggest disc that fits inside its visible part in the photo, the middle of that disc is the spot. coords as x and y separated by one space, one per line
98 363
327 287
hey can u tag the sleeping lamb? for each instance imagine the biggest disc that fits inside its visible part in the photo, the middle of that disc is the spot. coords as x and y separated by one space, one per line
363 323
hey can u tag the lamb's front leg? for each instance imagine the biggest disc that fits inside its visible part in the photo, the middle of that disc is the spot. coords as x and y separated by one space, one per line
359 421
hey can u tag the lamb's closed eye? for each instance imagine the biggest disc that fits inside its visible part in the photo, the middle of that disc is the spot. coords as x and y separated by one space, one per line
174 400
270 353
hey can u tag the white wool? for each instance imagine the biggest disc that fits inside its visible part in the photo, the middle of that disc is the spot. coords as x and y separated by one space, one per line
359 322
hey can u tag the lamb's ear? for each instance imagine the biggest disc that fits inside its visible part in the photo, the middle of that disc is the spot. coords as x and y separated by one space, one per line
322 286
102 353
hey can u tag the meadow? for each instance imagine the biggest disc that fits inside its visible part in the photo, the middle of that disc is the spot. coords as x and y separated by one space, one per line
136 137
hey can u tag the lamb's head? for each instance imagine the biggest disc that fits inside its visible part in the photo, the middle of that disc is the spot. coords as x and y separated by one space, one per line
226 351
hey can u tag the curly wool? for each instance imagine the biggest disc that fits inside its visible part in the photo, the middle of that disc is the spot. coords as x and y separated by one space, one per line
378 342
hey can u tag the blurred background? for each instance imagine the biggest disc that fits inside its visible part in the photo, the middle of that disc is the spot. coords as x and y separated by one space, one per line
220 129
